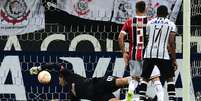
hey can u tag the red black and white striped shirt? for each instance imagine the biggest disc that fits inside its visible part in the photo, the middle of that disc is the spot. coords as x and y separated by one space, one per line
136 29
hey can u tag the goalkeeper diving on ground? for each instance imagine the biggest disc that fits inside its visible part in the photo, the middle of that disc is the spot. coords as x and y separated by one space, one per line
97 88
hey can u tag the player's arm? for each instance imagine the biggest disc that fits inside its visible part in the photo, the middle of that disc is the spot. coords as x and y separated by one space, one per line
121 42
122 35
172 48
121 39
51 67
114 99
122 82
122 47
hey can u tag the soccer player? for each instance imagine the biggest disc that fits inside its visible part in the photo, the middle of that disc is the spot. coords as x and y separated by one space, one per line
95 89
136 29
161 33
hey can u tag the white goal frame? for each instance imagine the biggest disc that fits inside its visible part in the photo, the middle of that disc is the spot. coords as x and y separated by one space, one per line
186 49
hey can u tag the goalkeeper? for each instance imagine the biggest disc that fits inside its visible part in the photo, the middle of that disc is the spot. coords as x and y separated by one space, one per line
97 88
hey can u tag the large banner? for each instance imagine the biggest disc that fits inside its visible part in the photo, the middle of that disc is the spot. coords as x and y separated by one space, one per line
126 8
173 7
88 9
116 10
123 9
21 16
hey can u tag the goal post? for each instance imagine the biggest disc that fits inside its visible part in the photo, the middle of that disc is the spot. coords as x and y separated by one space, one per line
186 49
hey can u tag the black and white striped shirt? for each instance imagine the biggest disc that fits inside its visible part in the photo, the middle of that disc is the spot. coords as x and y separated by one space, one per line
158 30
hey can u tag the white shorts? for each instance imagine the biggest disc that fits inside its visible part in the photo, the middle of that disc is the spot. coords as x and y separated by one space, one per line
136 69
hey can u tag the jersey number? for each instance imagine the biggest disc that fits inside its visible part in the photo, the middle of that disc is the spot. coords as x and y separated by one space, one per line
159 33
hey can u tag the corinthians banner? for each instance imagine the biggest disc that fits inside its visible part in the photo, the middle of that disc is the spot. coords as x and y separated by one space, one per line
21 16
126 8
116 10
172 5
123 9
88 9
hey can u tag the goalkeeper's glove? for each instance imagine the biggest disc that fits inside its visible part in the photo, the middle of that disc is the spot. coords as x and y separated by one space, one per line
35 70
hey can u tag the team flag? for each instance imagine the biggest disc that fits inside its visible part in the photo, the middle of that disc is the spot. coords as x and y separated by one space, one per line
88 9
172 5
21 16
124 9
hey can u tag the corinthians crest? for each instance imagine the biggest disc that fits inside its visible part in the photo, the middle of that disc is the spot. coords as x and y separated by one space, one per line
15 11
81 7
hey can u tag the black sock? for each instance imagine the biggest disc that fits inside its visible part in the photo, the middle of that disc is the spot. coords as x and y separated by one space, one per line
171 91
142 91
